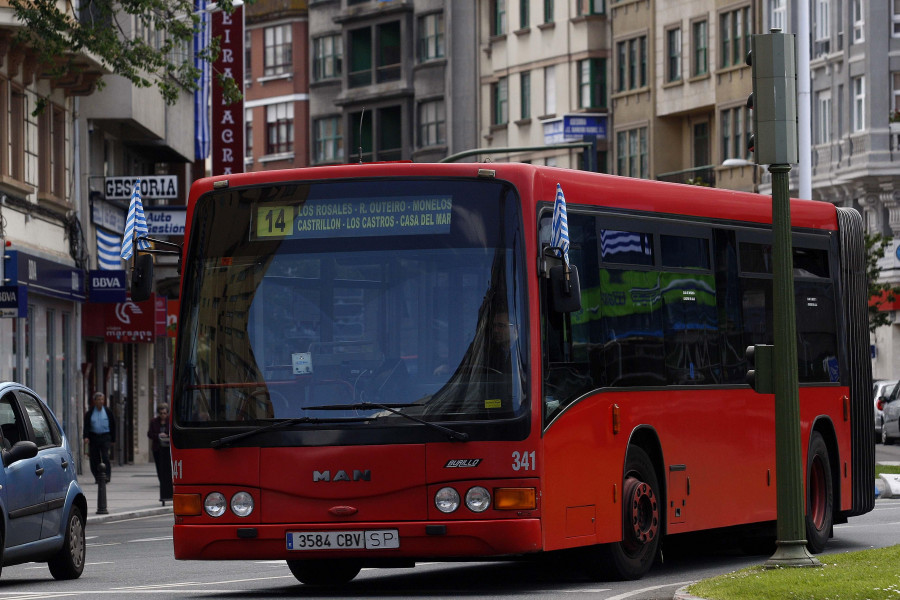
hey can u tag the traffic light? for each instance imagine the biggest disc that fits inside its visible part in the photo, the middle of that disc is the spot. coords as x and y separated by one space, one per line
761 368
773 61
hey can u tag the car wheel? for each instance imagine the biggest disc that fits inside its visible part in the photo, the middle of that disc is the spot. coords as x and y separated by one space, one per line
324 572
642 524
68 563
819 495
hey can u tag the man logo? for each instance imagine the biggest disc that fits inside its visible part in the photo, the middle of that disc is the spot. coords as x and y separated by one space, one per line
342 475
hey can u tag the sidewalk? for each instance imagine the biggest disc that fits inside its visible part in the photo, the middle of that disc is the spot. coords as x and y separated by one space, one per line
133 492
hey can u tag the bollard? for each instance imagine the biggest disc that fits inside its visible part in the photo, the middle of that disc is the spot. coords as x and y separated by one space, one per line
101 490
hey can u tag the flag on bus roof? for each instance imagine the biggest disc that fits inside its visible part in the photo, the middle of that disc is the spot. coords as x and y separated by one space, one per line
559 227
135 225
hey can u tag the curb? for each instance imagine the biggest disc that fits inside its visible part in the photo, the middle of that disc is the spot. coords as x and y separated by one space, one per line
682 594
118 516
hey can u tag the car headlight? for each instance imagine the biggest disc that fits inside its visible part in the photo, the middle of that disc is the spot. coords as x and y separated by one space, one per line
446 500
242 504
214 504
478 499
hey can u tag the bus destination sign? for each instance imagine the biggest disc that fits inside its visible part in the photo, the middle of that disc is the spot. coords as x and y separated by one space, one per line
355 217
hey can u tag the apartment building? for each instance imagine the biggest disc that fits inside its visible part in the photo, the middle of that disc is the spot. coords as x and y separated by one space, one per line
392 80
276 84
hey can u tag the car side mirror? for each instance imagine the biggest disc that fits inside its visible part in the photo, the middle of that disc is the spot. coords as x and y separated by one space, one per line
20 451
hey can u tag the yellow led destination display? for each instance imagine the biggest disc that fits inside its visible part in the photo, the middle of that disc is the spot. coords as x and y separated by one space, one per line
355 217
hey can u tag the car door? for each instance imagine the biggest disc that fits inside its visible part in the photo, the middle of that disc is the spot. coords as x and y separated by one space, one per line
53 458
24 487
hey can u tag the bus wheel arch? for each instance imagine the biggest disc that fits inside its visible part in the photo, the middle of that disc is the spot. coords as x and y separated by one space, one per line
821 486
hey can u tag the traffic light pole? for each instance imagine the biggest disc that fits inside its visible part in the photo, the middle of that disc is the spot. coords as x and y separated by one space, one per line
791 529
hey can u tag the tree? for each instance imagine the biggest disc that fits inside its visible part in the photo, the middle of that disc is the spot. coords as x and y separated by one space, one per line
162 55
876 246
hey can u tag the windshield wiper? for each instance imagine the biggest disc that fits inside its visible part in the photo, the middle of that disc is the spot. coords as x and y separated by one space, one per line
460 436
230 439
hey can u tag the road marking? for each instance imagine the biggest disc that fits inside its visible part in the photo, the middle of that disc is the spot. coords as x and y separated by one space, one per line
156 539
106 544
648 589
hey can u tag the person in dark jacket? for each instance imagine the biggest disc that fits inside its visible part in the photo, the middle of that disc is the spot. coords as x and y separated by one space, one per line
99 435
162 456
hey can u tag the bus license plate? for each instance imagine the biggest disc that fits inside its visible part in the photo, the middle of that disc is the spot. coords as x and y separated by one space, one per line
342 540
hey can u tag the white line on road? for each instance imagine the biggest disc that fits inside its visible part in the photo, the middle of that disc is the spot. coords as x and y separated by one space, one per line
648 589
156 539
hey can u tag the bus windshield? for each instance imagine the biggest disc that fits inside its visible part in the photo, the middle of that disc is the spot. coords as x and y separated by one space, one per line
320 301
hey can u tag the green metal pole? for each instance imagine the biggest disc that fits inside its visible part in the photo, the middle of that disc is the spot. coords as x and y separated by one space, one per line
791 542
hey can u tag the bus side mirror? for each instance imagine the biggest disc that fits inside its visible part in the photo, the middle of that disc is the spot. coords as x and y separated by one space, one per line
142 277
565 290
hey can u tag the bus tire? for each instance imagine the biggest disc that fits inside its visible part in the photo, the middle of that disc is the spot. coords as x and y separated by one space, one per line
819 495
642 507
324 572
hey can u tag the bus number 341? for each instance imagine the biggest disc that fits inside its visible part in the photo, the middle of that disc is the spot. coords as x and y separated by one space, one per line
523 461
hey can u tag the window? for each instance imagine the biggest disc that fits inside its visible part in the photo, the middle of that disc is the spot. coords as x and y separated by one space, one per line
390 136
431 37
673 55
858 115
525 95
632 67
43 433
327 57
499 17
280 128
734 124
590 7
823 117
631 150
592 83
248 74
328 140
548 11
17 114
500 98
524 14
700 43
895 93
821 28
735 36
278 53
381 41
895 18
248 132
776 14
550 90
432 123
859 21
382 134
700 143
52 151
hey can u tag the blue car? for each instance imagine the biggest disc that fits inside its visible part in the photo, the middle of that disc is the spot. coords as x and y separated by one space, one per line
43 507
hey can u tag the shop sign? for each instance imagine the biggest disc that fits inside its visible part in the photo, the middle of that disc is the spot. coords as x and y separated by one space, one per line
165 220
42 276
152 186
13 301
108 285
130 321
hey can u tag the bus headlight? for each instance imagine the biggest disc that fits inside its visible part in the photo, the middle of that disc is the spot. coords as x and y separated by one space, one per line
214 504
446 500
478 499
242 504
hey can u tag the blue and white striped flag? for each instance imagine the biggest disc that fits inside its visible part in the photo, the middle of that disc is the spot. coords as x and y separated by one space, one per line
559 227
135 225
108 248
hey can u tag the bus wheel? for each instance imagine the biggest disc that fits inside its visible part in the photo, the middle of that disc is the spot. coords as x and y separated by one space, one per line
819 495
324 572
632 557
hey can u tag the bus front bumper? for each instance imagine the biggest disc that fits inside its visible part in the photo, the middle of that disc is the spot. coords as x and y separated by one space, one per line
419 540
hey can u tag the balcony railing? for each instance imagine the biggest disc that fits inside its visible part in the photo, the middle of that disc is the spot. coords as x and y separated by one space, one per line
705 175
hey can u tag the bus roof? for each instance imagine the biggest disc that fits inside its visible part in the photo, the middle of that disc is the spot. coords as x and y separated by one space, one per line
579 187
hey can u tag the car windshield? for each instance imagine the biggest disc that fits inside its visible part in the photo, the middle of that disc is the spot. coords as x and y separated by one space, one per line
319 300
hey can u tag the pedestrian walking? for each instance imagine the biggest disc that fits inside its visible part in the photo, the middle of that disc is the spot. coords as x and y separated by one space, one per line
99 435
162 456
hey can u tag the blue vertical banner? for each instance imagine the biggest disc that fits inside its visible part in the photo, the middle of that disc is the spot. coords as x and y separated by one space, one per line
201 95
560 225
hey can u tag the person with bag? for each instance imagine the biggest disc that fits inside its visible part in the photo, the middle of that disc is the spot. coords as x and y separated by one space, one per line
159 438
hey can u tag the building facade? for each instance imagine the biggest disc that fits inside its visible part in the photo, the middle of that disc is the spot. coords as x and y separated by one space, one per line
392 80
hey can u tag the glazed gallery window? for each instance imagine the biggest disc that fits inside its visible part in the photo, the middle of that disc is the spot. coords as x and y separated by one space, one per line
327 57
734 32
280 128
734 124
328 140
432 126
431 37
858 114
592 83
631 58
631 152
277 54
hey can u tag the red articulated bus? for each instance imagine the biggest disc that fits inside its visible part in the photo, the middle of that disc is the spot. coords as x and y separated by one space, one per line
389 363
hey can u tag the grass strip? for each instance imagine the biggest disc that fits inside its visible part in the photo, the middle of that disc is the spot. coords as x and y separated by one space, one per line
863 575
